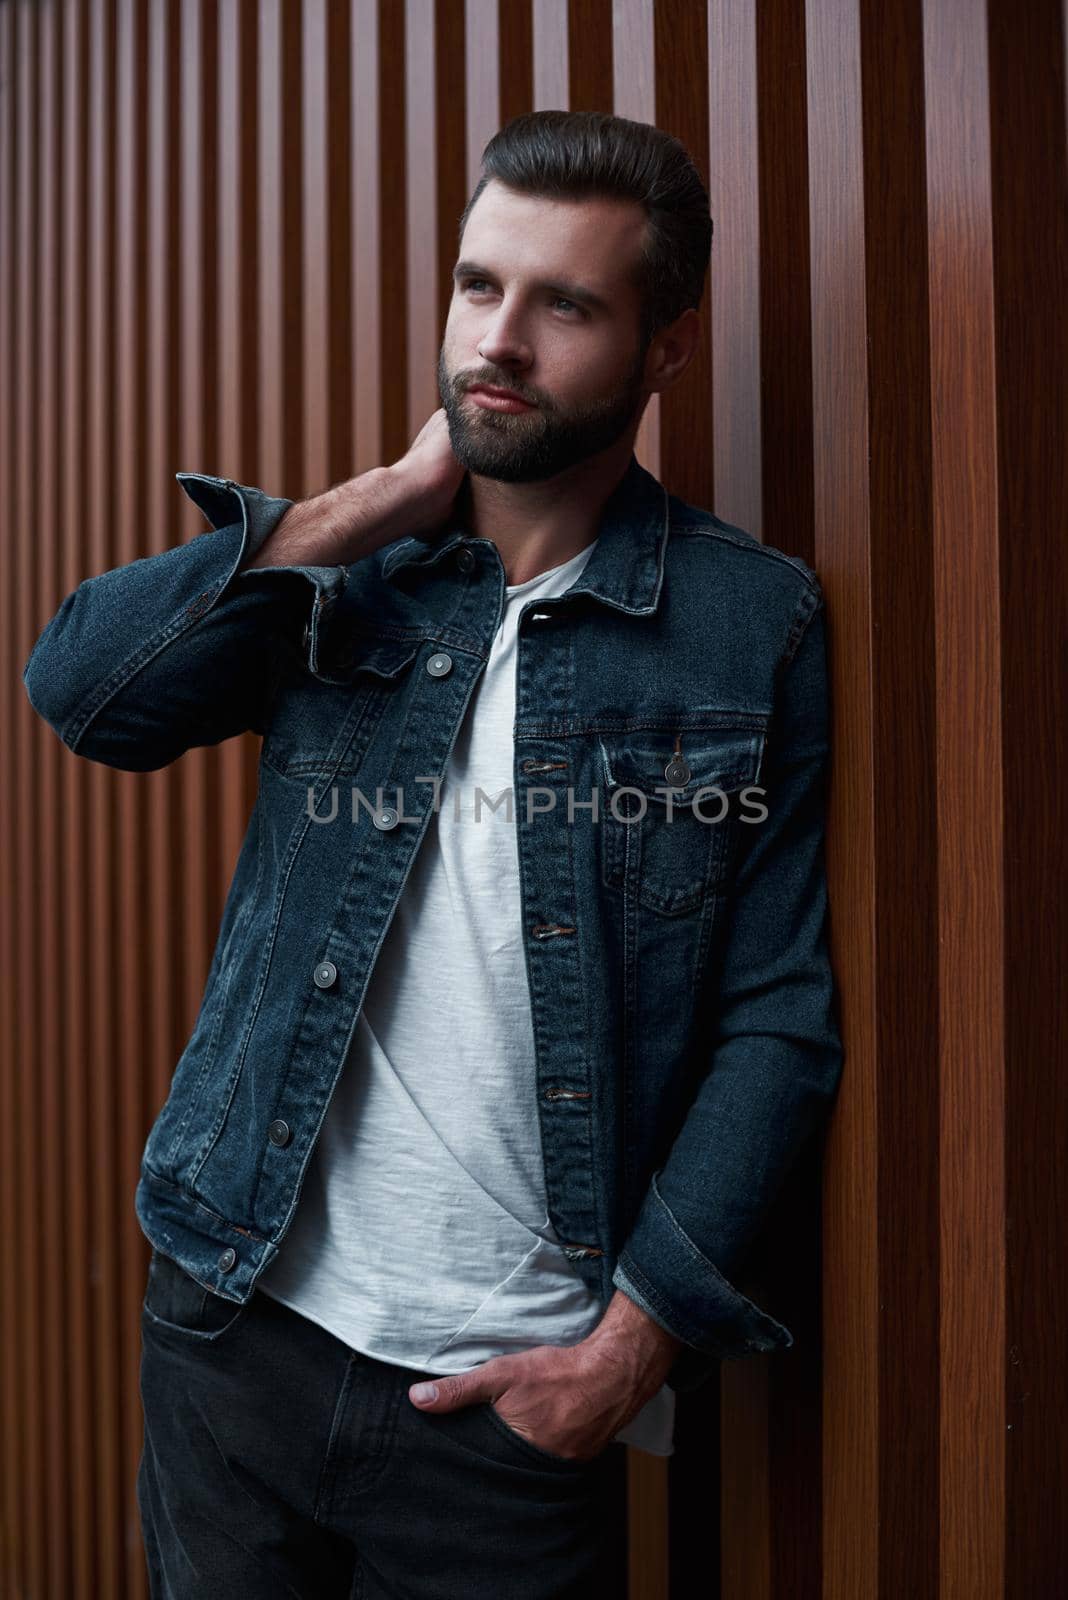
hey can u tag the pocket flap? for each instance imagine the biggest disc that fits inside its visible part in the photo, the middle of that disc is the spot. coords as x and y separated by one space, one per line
726 758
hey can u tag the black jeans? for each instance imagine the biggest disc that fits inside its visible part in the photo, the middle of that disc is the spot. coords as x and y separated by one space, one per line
279 1461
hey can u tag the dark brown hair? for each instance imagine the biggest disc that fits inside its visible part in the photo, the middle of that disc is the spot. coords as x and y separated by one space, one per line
574 154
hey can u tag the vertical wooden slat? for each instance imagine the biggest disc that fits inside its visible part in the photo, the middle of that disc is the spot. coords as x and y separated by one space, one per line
634 87
274 403
10 709
44 847
25 1531
840 445
589 55
132 935
550 56
682 107
906 838
391 264
198 407
337 245
366 239
287 35
1029 234
482 21
314 227
235 374
236 257
734 287
966 538
103 1266
74 991
423 313
161 499
781 247
450 107
515 67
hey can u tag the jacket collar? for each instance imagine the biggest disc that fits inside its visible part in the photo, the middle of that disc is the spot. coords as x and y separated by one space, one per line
626 569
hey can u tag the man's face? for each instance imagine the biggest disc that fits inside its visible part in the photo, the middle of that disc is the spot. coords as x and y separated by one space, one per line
512 326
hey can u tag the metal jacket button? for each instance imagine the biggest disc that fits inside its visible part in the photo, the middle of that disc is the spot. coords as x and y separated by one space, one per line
385 819
677 771
279 1133
465 560
325 974
439 665
227 1261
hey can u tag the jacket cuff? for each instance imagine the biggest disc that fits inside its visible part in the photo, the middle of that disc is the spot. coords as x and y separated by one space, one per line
664 1272
224 503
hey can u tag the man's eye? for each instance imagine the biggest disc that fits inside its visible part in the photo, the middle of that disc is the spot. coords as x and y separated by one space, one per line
558 300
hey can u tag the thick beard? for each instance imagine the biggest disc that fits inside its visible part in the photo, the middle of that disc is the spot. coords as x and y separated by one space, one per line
531 446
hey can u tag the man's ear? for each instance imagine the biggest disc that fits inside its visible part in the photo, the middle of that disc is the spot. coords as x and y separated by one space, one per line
672 350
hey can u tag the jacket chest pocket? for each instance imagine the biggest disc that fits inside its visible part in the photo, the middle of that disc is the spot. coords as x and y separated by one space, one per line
320 726
672 803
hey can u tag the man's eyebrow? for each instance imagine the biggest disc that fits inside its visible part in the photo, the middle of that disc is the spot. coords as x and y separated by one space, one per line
571 291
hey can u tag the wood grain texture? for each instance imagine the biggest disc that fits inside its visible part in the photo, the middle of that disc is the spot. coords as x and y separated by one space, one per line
226 239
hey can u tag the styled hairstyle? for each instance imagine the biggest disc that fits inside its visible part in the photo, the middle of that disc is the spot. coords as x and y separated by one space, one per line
577 154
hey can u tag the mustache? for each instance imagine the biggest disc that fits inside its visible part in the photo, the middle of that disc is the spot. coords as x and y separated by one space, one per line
464 384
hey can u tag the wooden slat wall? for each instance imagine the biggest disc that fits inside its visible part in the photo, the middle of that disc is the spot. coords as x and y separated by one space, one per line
226 232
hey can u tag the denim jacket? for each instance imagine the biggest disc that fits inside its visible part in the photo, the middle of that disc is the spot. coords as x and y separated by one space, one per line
678 967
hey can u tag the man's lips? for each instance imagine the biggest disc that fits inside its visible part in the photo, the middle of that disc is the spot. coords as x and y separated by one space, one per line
504 395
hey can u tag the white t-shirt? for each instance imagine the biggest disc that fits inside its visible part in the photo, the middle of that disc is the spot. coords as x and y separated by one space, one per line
422 1235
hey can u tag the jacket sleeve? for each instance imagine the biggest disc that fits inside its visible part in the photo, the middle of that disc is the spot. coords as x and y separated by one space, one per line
182 648
775 1061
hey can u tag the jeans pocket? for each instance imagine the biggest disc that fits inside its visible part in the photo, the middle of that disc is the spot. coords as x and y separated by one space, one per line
176 1302
545 1457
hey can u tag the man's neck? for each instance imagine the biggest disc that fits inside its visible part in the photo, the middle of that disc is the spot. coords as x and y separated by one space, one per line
538 526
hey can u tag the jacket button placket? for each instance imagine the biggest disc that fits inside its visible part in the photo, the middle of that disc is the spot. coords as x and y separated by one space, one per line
546 868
